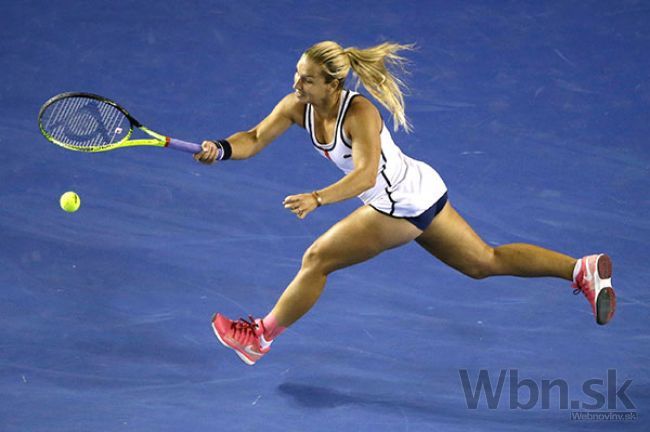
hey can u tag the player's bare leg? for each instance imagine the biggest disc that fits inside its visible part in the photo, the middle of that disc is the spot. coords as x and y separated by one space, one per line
357 238
362 235
450 238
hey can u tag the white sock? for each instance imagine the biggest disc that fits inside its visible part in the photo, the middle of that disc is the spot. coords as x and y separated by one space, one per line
576 269
264 343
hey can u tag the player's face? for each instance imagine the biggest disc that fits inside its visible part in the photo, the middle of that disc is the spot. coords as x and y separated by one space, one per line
309 82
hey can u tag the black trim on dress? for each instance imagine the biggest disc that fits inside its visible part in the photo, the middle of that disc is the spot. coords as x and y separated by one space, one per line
329 146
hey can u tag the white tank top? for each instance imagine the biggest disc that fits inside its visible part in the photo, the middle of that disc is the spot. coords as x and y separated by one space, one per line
405 187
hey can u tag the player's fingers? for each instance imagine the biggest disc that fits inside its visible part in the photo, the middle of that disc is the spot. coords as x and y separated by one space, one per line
207 153
199 156
204 156
212 154
294 206
291 199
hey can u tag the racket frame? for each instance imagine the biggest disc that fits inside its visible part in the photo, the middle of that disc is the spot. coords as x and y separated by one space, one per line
156 140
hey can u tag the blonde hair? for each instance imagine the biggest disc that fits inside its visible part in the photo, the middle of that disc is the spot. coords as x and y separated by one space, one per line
371 67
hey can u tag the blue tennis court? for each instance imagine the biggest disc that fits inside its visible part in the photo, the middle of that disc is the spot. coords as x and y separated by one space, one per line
536 114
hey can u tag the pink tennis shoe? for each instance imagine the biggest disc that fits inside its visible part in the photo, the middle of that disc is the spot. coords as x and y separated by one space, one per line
594 279
244 337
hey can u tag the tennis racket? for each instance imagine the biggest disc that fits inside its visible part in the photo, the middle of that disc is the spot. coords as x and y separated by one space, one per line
90 123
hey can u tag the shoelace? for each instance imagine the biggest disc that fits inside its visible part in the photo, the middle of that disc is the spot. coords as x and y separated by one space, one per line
575 285
577 290
242 325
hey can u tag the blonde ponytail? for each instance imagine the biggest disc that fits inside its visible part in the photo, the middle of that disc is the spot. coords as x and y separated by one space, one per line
372 68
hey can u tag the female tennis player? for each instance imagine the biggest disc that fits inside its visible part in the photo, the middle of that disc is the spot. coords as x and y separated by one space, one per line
403 199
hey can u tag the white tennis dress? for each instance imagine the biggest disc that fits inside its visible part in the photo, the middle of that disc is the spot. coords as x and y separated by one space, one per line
405 187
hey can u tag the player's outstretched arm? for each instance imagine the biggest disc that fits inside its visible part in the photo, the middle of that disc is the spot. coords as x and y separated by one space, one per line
247 144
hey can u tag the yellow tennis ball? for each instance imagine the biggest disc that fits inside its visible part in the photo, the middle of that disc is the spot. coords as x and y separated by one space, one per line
70 202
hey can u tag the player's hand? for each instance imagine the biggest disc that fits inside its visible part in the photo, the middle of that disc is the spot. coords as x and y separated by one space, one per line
300 205
208 153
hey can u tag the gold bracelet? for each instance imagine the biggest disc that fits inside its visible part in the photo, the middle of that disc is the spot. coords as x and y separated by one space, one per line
318 198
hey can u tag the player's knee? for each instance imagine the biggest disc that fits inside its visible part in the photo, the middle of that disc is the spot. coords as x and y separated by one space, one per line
482 266
315 257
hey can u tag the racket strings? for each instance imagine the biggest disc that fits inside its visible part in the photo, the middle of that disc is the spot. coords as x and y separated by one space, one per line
85 123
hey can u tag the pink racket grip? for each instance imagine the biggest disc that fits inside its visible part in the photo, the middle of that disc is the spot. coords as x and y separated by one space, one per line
185 146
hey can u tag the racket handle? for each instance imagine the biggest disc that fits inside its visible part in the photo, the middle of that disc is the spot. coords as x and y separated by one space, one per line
185 146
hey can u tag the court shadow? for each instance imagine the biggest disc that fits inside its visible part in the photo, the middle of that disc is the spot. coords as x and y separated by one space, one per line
319 397
441 409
